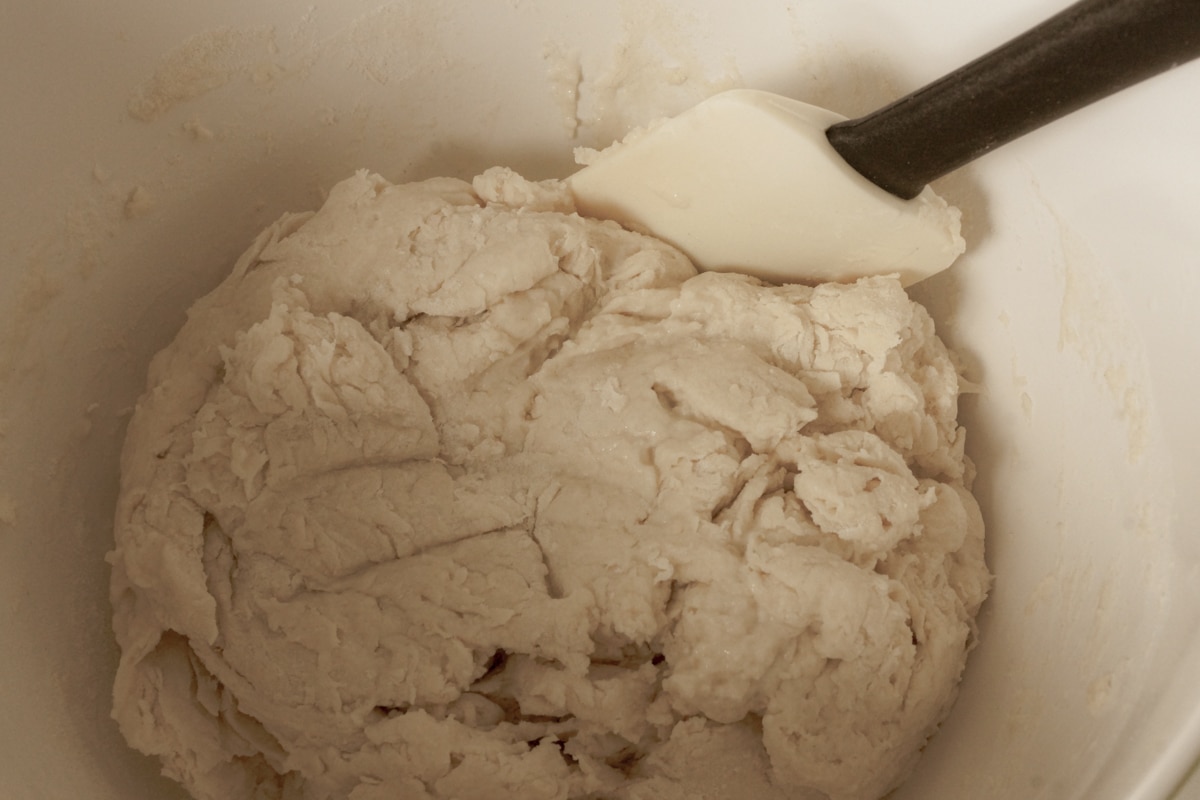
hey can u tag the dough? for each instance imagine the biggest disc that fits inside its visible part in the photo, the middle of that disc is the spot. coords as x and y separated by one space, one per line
447 492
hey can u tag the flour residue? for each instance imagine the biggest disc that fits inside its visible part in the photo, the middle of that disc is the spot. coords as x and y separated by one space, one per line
391 43
138 203
1020 384
204 62
1100 693
38 287
1094 324
565 74
654 69
198 130
69 251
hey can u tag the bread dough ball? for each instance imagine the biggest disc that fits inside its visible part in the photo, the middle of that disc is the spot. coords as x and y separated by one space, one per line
447 492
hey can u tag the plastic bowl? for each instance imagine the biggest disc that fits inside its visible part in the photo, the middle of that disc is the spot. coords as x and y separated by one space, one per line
144 144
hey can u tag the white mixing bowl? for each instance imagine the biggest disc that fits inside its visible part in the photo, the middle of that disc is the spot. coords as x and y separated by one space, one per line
144 144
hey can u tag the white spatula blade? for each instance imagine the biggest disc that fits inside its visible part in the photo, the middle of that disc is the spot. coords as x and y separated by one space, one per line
747 182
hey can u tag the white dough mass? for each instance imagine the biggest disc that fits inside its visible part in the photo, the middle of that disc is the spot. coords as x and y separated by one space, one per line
447 492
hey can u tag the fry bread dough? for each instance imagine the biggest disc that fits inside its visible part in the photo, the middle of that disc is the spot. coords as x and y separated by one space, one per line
447 492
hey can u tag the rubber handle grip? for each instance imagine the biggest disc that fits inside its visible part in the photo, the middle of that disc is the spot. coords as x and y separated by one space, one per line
1090 50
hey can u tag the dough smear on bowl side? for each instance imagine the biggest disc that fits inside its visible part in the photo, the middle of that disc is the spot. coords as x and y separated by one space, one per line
448 492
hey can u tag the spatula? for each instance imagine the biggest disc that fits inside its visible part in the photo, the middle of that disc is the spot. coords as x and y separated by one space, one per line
752 182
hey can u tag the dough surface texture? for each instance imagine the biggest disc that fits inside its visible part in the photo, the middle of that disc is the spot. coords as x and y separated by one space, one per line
447 492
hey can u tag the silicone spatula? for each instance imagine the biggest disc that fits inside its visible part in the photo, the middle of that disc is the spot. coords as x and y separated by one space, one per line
753 182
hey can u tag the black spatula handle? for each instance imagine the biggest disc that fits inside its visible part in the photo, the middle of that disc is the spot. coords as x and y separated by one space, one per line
1088 51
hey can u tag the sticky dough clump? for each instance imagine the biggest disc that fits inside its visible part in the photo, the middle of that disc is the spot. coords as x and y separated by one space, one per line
447 492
